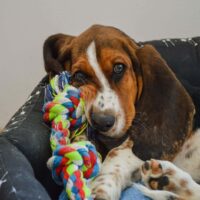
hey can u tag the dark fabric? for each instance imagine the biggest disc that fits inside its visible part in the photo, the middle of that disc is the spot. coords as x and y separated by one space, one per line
24 145
27 132
183 57
17 176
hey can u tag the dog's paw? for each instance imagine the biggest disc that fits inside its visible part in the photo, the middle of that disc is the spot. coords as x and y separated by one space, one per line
154 175
99 198
98 193
163 175
157 194
104 187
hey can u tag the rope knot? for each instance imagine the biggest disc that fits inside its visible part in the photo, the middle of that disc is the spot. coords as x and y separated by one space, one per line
72 164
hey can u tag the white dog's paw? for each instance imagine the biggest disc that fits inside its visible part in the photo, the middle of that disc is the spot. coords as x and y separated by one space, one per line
104 187
157 194
163 175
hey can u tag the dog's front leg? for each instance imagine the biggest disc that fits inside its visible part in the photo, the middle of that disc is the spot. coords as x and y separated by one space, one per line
118 171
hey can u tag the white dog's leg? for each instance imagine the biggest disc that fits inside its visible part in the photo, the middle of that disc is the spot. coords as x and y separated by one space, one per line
189 157
118 171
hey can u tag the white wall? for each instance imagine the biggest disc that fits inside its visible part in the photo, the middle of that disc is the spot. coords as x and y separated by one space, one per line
24 25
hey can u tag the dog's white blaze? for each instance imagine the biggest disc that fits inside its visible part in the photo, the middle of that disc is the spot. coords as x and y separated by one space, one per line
106 99
91 54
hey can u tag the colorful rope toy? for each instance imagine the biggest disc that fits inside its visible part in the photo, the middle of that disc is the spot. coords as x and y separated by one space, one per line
73 164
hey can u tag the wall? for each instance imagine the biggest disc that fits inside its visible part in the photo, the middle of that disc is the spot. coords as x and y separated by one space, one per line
24 25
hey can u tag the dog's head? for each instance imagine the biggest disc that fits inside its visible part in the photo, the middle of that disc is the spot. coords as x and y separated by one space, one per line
103 63
115 76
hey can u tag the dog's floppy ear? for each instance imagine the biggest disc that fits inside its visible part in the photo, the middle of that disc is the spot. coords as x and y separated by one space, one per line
164 111
53 48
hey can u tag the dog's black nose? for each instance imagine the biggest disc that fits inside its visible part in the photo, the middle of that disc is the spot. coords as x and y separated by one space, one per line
102 122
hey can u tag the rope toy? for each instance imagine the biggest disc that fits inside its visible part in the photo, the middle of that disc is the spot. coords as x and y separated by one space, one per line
74 161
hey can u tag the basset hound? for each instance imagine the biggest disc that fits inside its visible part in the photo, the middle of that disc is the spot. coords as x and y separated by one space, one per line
140 114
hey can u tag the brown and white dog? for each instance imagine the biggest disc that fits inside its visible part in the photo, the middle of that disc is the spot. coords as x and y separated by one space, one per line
139 110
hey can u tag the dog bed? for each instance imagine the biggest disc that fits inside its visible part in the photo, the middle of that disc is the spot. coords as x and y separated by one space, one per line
24 143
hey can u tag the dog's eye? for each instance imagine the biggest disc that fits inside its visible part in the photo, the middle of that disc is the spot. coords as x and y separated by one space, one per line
118 71
80 77
118 68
